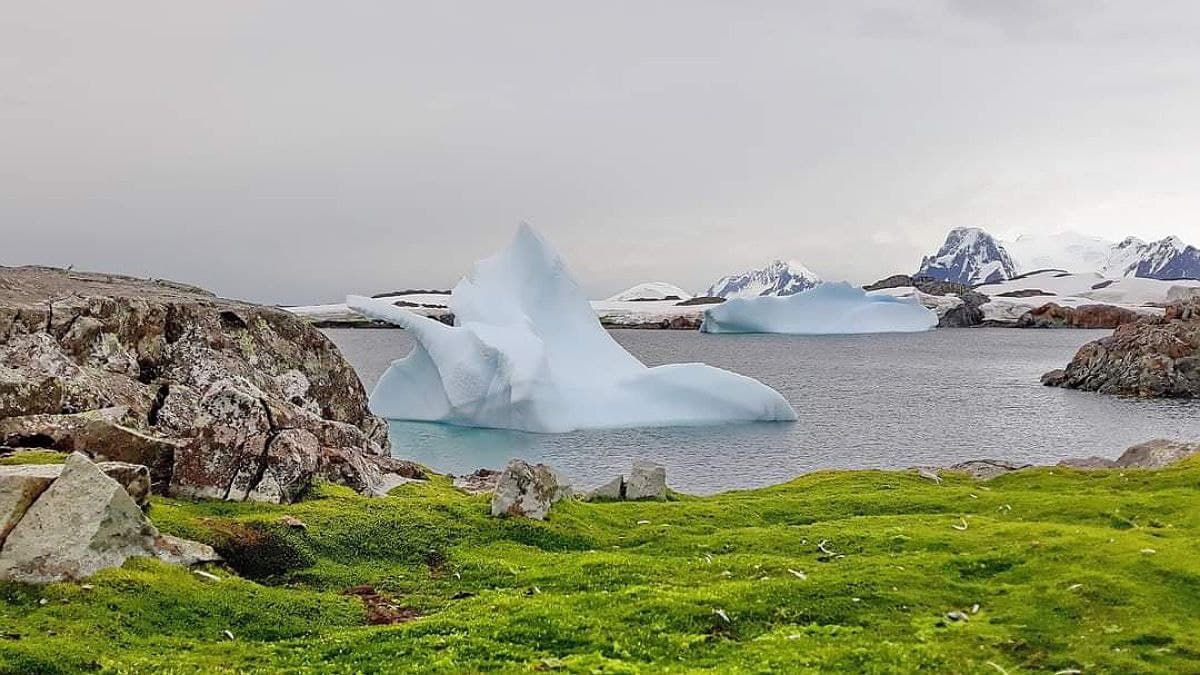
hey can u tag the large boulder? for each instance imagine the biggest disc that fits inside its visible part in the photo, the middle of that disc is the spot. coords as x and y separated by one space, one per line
83 521
219 398
647 480
1154 357
527 491
1156 454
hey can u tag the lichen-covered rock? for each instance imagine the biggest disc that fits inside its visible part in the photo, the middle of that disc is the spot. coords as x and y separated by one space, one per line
96 433
647 480
214 393
527 491
135 478
1150 358
82 523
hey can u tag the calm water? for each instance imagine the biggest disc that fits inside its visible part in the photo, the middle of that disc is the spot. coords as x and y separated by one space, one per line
882 401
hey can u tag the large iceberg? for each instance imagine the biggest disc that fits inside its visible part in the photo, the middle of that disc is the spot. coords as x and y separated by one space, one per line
828 309
527 352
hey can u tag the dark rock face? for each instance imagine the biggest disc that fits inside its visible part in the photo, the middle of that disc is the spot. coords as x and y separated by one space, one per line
700 300
219 398
1150 358
967 314
1052 315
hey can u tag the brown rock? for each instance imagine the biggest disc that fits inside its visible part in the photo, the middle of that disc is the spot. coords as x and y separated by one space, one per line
1052 315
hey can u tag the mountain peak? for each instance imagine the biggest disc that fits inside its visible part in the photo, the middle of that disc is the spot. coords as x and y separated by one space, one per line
970 255
779 277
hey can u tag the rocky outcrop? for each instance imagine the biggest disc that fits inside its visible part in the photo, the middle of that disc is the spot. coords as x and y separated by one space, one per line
1052 315
962 315
527 491
1158 357
672 323
70 521
219 398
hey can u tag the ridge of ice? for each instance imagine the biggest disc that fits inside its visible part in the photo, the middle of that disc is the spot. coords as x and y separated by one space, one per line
527 352
828 309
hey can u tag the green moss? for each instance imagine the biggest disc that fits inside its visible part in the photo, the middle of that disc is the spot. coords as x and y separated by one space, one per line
33 457
836 571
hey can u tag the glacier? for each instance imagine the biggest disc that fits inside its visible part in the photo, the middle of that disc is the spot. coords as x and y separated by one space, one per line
526 352
828 309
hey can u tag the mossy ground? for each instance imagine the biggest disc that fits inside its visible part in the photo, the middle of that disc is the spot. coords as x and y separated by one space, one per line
1091 571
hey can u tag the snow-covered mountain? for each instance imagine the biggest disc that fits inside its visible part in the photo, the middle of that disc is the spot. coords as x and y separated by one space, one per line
1167 258
972 256
969 256
778 278
651 290
1069 251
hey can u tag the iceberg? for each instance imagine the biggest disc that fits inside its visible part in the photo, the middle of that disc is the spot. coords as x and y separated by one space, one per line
828 309
526 352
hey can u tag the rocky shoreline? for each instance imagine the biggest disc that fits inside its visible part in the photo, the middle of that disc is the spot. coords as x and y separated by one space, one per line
1151 358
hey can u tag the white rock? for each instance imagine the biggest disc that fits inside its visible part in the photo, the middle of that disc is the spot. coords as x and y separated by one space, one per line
20 486
84 522
610 491
646 481
527 491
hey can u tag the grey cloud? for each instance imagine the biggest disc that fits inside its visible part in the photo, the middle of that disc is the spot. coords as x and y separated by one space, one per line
296 151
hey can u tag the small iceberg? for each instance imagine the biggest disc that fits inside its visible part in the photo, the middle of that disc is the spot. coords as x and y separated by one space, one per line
526 352
828 309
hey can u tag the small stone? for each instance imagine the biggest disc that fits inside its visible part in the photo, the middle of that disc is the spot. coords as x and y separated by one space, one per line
957 616
185 552
292 522
527 491
613 490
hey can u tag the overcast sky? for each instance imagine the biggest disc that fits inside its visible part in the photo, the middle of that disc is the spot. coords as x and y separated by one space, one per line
294 151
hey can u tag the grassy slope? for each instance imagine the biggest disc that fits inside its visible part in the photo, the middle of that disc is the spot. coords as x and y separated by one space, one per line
1094 571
